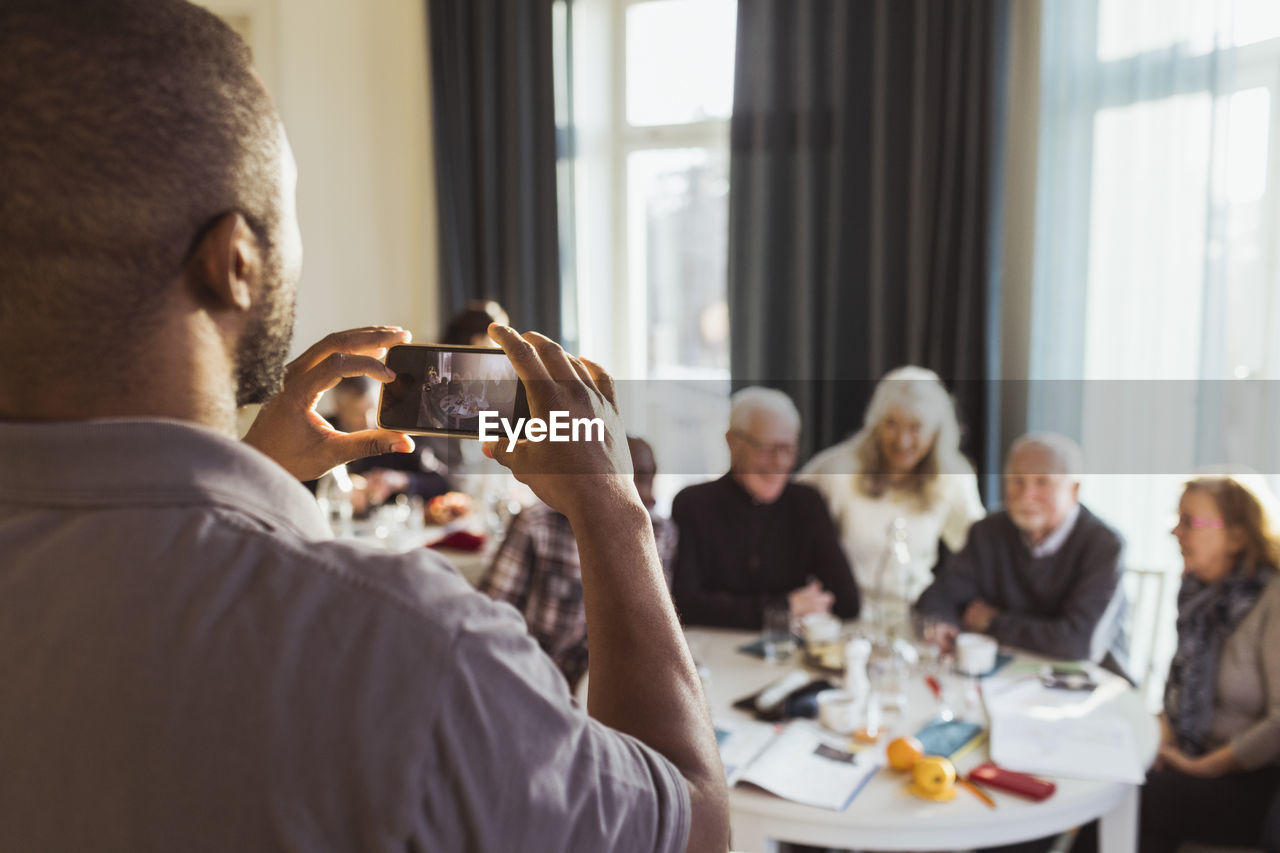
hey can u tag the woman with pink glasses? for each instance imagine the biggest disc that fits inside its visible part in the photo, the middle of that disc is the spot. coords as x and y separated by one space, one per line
1218 765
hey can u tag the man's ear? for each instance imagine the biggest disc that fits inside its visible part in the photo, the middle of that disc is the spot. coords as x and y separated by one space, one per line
226 265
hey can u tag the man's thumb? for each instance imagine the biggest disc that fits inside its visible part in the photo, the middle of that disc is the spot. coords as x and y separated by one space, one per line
495 451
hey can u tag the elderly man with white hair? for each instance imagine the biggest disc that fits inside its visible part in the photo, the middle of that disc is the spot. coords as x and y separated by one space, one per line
753 537
1043 574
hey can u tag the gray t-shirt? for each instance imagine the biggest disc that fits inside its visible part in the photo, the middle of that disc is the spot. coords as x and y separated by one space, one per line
189 662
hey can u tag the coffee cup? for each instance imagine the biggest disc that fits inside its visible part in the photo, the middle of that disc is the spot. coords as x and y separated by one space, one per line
819 629
975 654
838 711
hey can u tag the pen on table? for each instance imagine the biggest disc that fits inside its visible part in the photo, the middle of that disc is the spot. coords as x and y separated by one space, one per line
976 791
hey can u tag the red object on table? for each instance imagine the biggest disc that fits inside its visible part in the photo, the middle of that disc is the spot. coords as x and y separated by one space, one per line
934 687
1022 784
459 540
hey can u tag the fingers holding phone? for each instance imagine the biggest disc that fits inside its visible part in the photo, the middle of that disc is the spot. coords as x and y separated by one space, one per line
565 390
540 411
370 341
288 428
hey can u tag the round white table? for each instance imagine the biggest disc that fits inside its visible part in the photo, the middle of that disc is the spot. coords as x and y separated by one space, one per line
884 815
470 564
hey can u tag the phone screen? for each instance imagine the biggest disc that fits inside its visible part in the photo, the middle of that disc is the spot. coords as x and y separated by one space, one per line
1066 677
441 390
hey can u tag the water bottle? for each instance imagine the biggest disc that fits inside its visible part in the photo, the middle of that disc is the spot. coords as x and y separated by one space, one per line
892 616
892 619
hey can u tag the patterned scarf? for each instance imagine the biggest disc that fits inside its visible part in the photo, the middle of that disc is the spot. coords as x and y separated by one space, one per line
1207 614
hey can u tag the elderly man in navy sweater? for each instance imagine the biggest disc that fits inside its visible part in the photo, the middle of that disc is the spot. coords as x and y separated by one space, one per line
1043 574
753 537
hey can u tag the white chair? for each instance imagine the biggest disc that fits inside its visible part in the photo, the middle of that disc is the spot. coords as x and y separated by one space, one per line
1152 595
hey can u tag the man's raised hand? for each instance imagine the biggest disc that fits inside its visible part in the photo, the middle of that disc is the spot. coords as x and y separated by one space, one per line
570 476
288 428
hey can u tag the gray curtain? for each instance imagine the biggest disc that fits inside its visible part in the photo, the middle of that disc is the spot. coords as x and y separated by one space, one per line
495 136
863 226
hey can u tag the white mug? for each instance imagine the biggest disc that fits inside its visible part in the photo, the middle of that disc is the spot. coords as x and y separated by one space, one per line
838 711
819 629
975 654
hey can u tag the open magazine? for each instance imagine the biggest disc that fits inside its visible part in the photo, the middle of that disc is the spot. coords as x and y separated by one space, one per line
797 761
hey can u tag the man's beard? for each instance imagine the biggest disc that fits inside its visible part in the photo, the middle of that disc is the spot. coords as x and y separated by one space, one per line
264 346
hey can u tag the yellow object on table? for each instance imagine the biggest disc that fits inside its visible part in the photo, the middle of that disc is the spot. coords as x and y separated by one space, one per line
934 779
904 753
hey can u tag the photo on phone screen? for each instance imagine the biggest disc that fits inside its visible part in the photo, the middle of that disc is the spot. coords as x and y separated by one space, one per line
440 390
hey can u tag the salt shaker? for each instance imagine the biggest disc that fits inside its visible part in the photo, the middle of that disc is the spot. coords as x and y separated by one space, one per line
857 653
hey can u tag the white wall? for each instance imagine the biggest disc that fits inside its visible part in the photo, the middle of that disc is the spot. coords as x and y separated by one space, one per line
350 79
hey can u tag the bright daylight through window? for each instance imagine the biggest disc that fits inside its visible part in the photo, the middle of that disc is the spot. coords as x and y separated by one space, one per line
1157 231
650 93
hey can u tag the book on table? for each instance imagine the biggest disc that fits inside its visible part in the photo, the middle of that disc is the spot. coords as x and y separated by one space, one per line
798 761
950 738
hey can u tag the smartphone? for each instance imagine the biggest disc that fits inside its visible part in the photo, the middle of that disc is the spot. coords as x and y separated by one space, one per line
445 390
1066 677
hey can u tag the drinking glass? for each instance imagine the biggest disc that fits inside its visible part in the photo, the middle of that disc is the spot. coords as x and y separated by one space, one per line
776 633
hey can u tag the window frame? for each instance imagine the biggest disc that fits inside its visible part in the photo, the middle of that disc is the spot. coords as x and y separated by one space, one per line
622 307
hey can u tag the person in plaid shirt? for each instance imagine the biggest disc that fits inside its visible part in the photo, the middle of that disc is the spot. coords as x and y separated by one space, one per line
536 570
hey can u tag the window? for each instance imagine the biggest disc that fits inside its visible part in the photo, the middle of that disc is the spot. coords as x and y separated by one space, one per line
650 93
1155 298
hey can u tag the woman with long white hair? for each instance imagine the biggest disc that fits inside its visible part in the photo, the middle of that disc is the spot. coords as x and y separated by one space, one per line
905 463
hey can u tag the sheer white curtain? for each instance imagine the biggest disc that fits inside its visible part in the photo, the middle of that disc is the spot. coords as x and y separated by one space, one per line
1155 300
